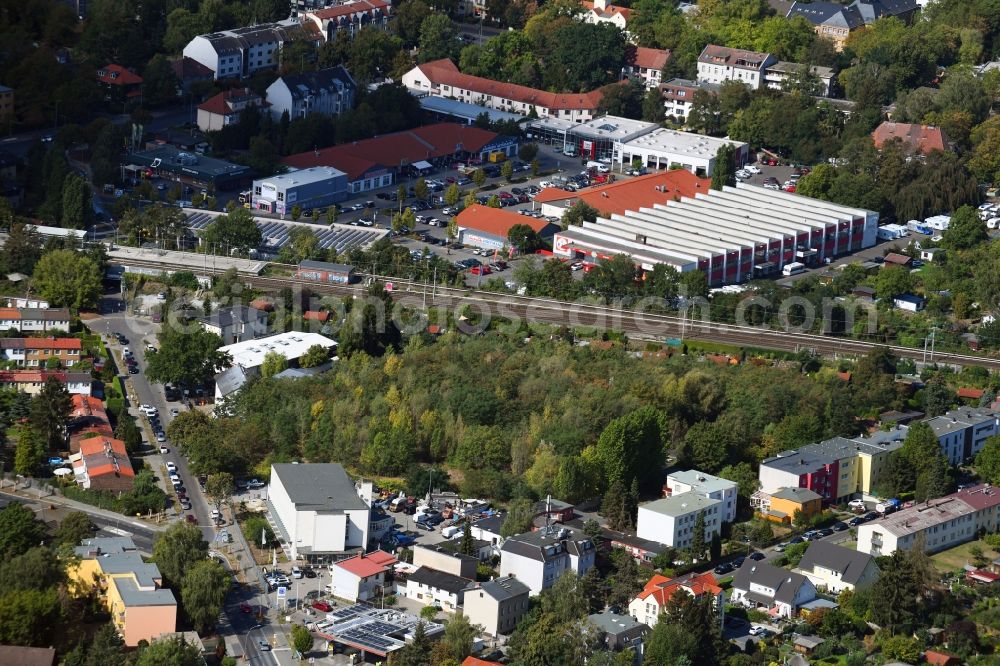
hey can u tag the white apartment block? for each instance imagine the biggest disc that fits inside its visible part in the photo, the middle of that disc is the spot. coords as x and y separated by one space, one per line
963 431
671 520
539 558
943 523
712 487
241 52
717 64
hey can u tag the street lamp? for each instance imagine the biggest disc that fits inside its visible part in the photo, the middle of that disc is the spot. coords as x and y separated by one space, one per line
246 636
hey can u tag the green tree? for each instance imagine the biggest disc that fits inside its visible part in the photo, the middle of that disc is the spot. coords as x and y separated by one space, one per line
296 212
493 202
524 238
417 652
219 487
22 249
668 643
315 356
185 357
74 528
438 38
527 152
274 362
233 232
698 543
507 170
966 230
302 639
459 637
203 592
19 531
37 569
174 651
67 278
893 281
76 207
178 549
159 83
451 194
29 452
50 414
632 447
468 545
28 616
420 189
988 460
519 517
724 171
127 431
479 178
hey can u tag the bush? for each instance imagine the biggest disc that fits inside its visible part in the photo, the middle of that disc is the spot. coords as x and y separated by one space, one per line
115 405
252 528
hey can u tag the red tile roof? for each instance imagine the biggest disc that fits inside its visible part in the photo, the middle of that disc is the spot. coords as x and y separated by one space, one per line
634 193
52 343
896 258
105 455
222 105
364 566
937 658
475 661
351 8
662 588
360 157
444 72
972 393
315 315
496 221
116 75
917 138
609 11
85 405
651 58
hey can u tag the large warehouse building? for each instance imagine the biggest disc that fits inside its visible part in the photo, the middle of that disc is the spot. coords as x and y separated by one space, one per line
731 235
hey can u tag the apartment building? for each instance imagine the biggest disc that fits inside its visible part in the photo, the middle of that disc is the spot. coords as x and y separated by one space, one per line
439 558
836 469
539 558
34 320
706 485
441 78
648 604
678 95
129 588
647 66
718 64
497 605
779 75
32 381
241 52
942 523
36 352
328 92
963 431
671 520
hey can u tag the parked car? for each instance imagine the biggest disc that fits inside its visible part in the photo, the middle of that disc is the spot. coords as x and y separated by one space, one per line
723 569
757 630
839 526
253 484
856 504
857 520
296 573
322 606
756 556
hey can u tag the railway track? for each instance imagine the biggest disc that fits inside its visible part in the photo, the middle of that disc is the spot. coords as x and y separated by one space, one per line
524 309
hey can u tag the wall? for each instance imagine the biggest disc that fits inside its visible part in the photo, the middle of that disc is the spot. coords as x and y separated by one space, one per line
482 609
527 570
464 567
656 527
148 622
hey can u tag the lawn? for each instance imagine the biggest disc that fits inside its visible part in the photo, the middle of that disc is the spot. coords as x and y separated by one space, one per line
956 558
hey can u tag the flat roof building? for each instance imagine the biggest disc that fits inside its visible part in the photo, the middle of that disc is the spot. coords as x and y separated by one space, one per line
248 356
666 148
312 187
671 520
171 163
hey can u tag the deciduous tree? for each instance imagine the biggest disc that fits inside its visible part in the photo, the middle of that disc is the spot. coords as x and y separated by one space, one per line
67 278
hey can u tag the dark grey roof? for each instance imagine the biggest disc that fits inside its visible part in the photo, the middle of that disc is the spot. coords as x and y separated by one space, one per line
318 486
785 583
225 317
871 10
827 13
491 524
230 380
548 544
132 595
311 83
616 624
450 552
505 588
850 563
439 580
326 266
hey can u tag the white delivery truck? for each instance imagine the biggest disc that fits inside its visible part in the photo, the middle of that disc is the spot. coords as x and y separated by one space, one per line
793 268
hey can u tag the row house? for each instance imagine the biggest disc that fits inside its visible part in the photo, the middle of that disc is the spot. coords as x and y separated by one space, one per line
36 352
347 19
34 320
441 78
940 523
87 418
32 381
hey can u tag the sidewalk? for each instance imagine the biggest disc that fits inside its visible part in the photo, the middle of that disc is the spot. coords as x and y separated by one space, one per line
47 495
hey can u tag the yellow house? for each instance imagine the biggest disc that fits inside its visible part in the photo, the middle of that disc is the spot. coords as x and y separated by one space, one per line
781 505
128 587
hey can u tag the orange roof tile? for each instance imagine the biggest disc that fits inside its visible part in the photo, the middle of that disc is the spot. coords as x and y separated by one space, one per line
973 393
52 343
86 405
475 661
116 75
650 58
105 455
364 566
610 10
315 315
350 8
221 103
917 138
662 588
496 221
444 72
634 193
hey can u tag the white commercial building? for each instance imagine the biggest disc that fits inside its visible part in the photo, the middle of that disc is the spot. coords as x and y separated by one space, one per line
539 558
712 487
316 510
671 520
731 235
667 148
248 356
241 52
942 523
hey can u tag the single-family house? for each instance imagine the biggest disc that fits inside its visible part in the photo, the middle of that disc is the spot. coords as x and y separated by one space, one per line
777 591
648 604
102 463
497 605
119 84
647 65
834 568
921 139
236 324
360 578
782 505
226 108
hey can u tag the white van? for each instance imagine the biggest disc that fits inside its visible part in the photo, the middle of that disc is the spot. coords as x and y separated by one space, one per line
451 531
600 167
793 268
